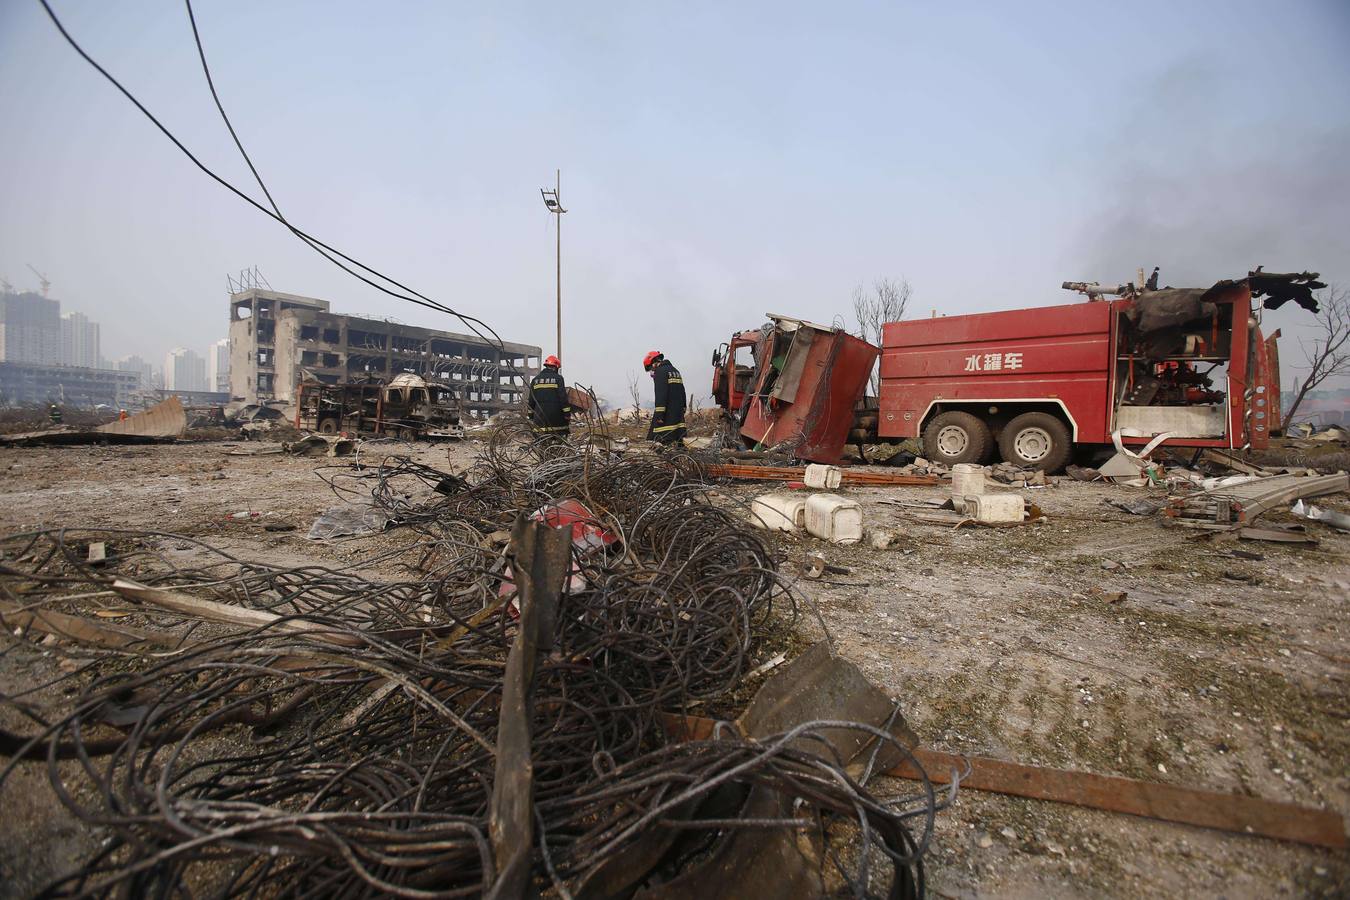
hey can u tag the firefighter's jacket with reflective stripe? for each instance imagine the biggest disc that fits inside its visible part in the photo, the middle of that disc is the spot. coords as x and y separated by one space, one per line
549 407
668 417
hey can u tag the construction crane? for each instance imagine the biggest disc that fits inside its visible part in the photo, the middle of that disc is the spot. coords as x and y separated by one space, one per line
42 279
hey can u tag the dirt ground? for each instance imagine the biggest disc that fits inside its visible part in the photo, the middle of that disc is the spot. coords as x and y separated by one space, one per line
1217 670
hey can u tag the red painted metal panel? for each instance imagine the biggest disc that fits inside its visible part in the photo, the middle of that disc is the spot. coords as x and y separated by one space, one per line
817 421
1059 353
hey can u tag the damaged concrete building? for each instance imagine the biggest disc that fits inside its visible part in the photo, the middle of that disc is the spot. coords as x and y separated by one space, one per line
278 340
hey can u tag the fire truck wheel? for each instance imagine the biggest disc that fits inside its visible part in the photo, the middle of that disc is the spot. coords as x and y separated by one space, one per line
957 437
1036 440
328 426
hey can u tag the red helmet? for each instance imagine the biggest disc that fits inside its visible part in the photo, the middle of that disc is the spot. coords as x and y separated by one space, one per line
553 361
650 359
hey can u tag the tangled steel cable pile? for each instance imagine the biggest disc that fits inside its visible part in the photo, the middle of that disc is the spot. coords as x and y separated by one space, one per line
493 724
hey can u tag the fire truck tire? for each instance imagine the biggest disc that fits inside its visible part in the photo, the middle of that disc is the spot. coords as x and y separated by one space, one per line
1036 440
328 426
957 437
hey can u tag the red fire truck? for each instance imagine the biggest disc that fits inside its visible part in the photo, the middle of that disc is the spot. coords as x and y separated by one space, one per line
1189 363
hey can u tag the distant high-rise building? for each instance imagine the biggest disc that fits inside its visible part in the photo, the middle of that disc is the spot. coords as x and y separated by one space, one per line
30 329
218 366
79 341
184 370
143 369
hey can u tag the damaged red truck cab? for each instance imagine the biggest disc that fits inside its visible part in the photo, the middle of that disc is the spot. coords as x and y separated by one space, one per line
794 385
1034 382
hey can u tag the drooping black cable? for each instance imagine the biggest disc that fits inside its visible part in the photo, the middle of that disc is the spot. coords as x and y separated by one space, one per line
210 83
412 296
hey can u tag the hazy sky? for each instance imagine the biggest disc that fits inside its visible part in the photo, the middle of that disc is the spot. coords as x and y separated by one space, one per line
719 160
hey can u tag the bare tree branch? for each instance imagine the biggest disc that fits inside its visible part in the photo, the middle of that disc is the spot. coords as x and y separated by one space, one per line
635 391
1328 355
885 302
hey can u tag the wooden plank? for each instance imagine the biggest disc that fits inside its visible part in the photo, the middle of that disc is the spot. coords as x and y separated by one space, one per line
1166 802
86 631
1233 462
228 614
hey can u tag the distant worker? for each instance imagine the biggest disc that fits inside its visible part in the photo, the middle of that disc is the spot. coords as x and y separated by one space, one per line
550 409
121 415
668 416
54 414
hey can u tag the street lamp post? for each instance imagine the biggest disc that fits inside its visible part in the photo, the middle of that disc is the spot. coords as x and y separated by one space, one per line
553 200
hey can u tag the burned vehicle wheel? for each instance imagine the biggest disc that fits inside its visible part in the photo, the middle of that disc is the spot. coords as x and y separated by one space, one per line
1036 440
328 426
957 437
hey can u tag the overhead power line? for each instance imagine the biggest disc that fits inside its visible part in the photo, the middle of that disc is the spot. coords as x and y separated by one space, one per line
319 246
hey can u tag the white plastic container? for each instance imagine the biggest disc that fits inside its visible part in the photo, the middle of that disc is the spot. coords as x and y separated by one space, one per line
833 518
967 479
818 476
778 512
995 507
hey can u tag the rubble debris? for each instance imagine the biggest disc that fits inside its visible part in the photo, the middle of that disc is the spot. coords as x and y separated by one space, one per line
767 666
1082 473
320 445
799 691
848 478
1141 507
379 726
1292 534
1336 433
1130 465
1242 501
1330 517
1109 596
349 520
815 565
164 420
1018 477
1232 461
254 450
881 538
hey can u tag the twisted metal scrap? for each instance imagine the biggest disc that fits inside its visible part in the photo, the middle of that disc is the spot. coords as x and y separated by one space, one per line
357 758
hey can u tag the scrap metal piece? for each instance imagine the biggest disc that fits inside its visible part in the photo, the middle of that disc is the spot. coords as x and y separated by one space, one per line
1277 535
1167 802
798 473
820 685
163 420
1338 520
78 628
541 555
1249 499
816 685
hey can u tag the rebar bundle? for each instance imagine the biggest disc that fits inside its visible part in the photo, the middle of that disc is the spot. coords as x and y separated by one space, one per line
347 746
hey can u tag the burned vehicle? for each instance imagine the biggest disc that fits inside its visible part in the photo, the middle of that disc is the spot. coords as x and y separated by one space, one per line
408 407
